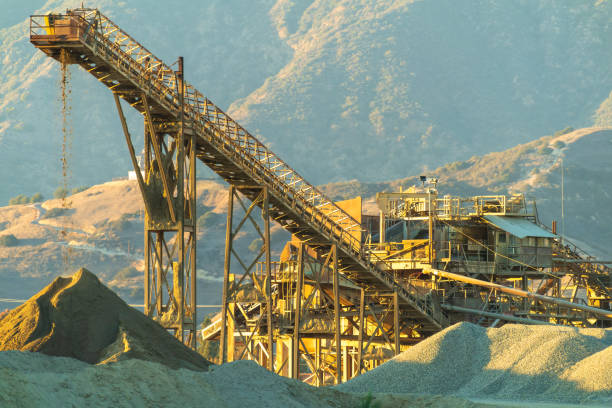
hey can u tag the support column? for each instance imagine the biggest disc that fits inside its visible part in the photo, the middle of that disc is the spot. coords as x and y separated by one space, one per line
168 192
252 328
298 309
337 315
266 244
396 322
362 327
382 230
226 275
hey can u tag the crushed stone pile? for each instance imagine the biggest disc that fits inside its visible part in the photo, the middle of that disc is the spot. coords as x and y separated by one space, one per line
514 362
81 318
38 380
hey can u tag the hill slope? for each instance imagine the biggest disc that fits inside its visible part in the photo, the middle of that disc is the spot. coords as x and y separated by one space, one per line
532 168
373 90
103 232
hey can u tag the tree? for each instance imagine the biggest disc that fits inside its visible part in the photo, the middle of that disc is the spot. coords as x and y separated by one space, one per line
60 192
78 190
20 199
37 198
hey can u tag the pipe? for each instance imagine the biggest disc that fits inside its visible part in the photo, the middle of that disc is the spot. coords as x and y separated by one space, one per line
495 315
521 293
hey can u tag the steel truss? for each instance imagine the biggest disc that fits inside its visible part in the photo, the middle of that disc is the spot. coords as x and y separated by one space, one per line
325 330
167 182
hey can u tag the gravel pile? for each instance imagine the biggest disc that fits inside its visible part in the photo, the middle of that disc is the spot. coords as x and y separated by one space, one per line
81 318
514 362
38 380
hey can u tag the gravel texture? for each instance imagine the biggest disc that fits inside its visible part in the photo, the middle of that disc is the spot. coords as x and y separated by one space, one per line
514 362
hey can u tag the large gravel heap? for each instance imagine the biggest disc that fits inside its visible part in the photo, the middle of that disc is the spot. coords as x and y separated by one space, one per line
514 362
81 318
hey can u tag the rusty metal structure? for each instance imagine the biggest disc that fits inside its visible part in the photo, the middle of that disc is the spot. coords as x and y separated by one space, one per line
350 289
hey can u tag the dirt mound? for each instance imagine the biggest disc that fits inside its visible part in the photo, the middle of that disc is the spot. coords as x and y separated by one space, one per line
81 318
514 362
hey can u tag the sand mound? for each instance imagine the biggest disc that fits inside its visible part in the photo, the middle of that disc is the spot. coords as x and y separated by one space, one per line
530 363
81 318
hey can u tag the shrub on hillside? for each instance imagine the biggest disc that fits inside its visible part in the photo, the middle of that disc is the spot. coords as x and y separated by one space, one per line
8 240
120 225
559 144
60 192
545 150
55 212
24 199
37 198
77 190
20 199
567 130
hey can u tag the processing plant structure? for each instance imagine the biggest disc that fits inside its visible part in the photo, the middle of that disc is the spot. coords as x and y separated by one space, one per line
350 290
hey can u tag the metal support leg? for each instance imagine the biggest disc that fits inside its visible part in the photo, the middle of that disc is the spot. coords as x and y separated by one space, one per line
396 323
266 244
298 308
362 327
226 275
337 315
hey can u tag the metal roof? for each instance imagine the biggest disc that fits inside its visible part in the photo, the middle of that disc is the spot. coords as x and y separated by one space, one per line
518 226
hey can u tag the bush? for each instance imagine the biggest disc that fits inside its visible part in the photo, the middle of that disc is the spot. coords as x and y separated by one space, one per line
78 189
24 199
558 144
55 212
37 198
545 150
568 129
8 240
20 199
60 192
119 225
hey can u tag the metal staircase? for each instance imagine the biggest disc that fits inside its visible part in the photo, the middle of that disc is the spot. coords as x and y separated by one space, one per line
136 75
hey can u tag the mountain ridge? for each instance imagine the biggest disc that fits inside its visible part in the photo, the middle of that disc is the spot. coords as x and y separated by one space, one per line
339 89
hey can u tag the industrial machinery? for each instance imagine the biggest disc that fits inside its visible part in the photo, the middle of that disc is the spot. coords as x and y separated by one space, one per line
350 290
483 259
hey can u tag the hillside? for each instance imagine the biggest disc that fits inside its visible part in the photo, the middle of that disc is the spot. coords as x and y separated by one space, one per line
373 90
532 168
103 232
30 111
